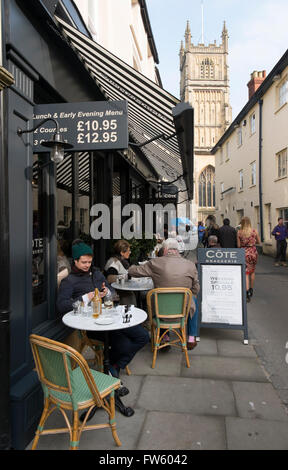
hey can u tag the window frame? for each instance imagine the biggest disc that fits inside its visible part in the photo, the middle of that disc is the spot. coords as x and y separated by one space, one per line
241 180
252 121
279 163
253 173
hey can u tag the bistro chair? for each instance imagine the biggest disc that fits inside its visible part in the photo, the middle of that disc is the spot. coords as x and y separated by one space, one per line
97 347
71 389
168 310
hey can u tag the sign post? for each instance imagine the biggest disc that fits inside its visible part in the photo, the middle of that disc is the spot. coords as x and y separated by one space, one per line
222 298
99 125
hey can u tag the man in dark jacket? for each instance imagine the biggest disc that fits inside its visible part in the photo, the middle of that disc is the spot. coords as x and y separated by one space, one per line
227 235
82 281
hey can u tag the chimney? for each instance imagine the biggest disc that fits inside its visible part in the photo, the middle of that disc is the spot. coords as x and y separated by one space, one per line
256 79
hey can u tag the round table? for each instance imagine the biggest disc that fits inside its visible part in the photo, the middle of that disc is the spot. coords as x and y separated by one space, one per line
135 284
79 322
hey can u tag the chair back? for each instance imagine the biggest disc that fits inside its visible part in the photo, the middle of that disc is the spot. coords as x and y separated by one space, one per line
53 362
171 302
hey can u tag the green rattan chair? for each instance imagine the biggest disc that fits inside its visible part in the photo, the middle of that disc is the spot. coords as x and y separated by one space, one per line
168 310
75 389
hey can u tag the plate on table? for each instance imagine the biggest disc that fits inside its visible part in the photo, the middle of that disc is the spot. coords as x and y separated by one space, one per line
104 320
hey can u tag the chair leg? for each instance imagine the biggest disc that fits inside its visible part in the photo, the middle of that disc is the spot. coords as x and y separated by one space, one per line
184 341
128 371
74 443
112 420
41 423
155 347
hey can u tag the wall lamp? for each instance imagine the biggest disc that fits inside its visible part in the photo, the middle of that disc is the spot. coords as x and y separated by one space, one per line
56 144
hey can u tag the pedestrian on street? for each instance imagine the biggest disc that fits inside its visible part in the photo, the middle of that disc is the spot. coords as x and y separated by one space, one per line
247 239
227 235
212 229
280 232
201 233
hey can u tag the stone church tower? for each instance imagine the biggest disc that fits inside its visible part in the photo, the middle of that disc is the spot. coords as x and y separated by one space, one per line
204 83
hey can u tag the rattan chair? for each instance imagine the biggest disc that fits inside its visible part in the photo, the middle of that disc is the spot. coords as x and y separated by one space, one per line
97 347
71 389
168 310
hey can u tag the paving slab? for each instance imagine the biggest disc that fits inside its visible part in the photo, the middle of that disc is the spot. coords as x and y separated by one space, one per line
225 368
166 431
256 434
229 348
258 400
128 429
184 395
205 347
167 363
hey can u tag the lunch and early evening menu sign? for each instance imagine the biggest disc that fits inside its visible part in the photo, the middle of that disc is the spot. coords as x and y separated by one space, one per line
97 125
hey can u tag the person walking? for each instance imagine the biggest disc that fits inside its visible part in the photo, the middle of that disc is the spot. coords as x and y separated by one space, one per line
201 233
227 235
212 229
247 239
280 232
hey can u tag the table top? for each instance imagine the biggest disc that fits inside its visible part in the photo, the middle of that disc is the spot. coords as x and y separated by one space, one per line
135 284
80 322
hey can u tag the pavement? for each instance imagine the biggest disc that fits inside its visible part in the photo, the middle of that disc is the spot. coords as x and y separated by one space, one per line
224 401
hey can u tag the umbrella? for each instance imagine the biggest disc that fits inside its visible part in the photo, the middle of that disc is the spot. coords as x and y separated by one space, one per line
181 220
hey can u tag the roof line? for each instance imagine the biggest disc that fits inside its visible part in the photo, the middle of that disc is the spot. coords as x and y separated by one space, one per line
259 93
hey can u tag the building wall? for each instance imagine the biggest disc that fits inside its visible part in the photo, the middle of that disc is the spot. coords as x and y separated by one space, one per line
118 26
237 202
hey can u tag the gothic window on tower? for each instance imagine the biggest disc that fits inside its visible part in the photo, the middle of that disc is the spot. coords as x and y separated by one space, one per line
207 187
207 69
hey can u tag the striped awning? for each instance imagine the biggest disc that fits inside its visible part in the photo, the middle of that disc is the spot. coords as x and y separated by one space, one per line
149 105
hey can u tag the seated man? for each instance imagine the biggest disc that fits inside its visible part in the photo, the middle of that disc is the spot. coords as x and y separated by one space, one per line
170 270
84 279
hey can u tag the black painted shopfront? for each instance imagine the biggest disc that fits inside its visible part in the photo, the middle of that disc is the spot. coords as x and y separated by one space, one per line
45 199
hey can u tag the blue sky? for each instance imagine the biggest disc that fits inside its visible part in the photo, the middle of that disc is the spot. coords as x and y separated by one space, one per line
258 37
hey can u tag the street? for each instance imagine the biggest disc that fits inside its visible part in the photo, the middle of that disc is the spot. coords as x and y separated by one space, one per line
268 322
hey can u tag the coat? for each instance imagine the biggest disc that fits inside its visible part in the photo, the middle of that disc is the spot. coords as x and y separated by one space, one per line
170 271
227 237
77 284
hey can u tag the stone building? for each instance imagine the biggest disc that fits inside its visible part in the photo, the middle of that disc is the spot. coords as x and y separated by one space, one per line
204 83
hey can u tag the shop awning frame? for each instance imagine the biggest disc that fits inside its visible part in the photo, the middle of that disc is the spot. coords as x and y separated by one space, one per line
149 105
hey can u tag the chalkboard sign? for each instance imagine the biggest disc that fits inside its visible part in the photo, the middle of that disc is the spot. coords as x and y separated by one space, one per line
222 297
99 125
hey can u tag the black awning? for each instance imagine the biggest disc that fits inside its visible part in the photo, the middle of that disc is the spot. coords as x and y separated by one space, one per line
149 105
183 115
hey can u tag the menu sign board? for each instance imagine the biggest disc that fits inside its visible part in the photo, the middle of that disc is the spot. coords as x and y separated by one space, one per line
98 125
222 301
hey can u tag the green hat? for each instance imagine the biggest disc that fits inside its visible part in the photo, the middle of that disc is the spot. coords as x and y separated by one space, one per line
81 249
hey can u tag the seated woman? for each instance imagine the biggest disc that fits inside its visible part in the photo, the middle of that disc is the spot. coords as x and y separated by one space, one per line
118 265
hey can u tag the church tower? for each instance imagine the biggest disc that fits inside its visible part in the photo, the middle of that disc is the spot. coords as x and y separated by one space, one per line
204 83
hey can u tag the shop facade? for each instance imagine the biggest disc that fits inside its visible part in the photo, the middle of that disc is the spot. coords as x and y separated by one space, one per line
47 201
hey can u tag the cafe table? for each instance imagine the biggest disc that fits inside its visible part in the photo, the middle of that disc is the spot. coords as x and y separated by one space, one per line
110 320
135 284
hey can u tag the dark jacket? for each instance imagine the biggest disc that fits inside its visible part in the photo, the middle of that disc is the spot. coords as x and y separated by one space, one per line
227 237
77 284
